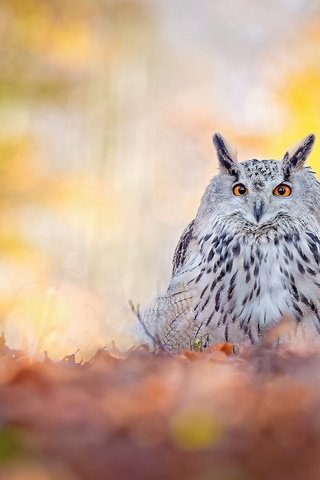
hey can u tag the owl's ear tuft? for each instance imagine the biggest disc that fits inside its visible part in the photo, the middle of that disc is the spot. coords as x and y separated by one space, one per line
296 157
227 156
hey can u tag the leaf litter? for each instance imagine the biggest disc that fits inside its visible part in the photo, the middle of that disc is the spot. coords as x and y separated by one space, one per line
211 415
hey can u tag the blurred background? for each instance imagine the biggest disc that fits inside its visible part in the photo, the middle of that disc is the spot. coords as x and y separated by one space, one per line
107 110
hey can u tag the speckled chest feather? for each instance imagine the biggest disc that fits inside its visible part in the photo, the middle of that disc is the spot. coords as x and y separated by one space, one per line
247 284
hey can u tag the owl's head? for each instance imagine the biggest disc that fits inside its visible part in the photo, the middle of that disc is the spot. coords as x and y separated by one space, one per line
258 193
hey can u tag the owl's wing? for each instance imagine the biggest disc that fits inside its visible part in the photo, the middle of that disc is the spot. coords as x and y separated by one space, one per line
182 251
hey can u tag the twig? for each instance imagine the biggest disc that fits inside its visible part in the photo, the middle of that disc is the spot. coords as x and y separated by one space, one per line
155 339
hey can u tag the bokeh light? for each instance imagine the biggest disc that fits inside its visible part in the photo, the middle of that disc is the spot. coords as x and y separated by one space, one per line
107 110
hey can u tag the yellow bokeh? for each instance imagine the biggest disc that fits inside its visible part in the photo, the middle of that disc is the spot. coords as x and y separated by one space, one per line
107 111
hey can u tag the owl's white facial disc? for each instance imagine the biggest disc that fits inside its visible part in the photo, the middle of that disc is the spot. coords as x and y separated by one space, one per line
257 194
261 193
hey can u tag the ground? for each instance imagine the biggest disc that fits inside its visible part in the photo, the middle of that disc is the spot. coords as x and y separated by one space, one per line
141 415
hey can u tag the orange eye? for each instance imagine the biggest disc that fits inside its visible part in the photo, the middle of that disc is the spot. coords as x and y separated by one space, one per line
239 189
282 190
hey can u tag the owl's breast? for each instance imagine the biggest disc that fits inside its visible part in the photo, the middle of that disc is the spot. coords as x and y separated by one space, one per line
247 286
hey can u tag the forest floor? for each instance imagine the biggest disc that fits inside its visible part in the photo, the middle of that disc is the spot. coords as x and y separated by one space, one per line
139 415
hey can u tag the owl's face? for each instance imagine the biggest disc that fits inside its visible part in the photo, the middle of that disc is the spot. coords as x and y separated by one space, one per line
261 193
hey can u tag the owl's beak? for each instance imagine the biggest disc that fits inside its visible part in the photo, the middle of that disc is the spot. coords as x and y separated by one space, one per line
258 209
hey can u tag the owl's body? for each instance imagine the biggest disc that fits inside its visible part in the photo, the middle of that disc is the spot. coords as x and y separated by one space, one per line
250 257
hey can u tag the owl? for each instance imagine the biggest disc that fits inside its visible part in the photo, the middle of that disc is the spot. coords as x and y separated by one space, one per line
249 258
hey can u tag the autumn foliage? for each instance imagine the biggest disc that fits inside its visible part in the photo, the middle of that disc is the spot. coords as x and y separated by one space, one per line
139 415
107 111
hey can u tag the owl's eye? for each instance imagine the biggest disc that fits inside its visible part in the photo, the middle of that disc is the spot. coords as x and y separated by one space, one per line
239 189
282 190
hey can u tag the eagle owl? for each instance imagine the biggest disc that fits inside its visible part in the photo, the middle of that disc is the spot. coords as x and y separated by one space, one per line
250 257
